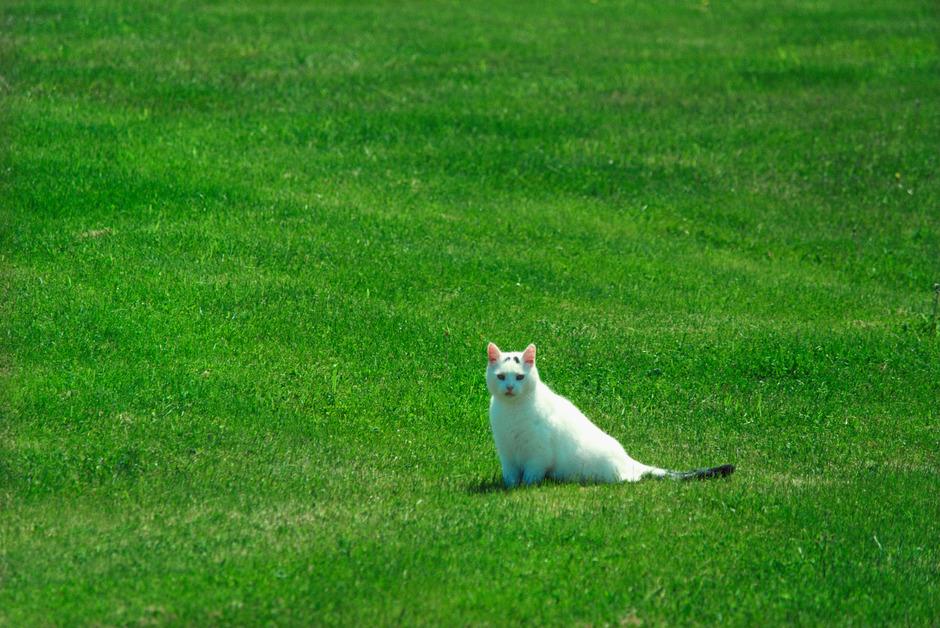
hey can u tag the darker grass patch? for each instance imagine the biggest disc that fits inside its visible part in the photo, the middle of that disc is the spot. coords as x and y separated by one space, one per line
486 486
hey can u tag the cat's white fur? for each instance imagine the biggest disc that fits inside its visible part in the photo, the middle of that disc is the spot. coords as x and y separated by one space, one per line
539 434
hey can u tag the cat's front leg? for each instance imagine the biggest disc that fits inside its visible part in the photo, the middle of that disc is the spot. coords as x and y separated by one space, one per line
512 475
533 475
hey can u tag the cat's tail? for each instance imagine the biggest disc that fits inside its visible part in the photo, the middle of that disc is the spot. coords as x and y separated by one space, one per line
695 474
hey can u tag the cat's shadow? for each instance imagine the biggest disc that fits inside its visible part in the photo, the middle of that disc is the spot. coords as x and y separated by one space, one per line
487 485
495 484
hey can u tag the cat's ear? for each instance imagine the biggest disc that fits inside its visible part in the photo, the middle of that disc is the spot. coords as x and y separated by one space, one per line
528 356
492 352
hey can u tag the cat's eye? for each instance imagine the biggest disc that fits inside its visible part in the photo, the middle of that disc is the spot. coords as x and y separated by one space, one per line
501 377
519 378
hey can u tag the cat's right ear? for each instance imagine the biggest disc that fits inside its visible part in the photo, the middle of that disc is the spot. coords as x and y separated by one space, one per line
492 352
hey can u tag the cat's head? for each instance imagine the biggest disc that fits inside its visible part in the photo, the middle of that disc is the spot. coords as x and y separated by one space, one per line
511 375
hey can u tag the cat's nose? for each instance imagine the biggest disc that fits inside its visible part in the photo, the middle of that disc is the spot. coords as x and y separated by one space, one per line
509 388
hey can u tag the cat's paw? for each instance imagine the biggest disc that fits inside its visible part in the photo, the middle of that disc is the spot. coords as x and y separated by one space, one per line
531 477
512 480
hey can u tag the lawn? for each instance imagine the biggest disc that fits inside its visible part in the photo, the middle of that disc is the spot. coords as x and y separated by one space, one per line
251 256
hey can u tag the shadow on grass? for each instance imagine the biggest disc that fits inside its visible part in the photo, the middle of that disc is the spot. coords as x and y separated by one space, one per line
495 484
492 484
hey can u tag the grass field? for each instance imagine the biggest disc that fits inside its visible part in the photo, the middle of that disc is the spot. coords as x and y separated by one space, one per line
251 257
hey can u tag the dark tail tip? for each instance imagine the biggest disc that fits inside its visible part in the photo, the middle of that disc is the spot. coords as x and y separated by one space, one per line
716 472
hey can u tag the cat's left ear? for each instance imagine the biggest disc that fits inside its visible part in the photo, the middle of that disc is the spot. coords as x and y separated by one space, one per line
528 356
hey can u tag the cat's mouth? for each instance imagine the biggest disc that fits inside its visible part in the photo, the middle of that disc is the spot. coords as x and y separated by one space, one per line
510 393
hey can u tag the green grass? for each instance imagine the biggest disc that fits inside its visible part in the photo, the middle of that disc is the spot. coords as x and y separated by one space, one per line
251 257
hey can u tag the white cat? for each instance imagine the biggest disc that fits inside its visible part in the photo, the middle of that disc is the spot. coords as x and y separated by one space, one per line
540 434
